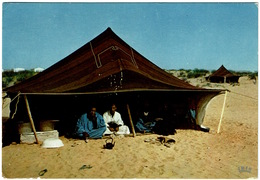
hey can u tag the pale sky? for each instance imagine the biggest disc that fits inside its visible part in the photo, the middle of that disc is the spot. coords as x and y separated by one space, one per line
171 35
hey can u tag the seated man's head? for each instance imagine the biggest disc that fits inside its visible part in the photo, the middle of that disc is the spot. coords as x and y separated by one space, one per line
113 109
93 110
93 117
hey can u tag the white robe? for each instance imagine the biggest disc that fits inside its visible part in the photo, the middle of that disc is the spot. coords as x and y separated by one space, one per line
123 129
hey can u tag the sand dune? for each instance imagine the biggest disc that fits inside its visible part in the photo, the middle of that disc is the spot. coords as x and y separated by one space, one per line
230 154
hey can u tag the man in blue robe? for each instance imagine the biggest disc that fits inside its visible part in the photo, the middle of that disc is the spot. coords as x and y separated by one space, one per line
90 125
146 120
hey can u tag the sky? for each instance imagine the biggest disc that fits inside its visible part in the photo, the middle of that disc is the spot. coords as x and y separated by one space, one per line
171 35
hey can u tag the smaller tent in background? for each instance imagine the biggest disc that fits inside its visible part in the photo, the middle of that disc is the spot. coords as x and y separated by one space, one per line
222 75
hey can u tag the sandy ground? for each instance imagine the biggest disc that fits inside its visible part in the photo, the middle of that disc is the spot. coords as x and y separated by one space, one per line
230 154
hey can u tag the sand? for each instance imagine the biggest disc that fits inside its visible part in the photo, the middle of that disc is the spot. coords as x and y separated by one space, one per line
230 154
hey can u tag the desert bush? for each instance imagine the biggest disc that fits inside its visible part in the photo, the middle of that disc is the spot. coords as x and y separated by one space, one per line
23 75
197 73
6 81
10 77
253 75
207 85
245 73
182 74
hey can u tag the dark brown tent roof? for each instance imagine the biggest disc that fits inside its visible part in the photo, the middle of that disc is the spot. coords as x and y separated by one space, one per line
222 72
105 64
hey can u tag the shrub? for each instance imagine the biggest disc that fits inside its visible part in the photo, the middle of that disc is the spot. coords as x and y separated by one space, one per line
6 81
197 73
253 75
15 77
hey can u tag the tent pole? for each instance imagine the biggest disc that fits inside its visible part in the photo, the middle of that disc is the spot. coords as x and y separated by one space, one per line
130 118
224 103
31 119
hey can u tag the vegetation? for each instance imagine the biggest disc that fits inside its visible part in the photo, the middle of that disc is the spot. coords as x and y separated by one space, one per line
189 73
197 73
10 77
251 75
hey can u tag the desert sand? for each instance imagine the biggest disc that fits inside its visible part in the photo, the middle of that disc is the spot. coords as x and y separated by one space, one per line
232 153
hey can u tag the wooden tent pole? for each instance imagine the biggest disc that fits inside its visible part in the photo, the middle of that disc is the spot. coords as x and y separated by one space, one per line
31 119
130 118
224 103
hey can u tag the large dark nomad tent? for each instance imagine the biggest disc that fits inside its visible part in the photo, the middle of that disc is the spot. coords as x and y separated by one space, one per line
222 75
105 69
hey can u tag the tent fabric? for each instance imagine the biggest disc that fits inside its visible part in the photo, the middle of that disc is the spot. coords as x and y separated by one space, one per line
105 64
222 74
105 69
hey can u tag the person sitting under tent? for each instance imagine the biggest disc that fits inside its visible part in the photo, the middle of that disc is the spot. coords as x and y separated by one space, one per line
114 122
145 121
90 125
165 120
191 114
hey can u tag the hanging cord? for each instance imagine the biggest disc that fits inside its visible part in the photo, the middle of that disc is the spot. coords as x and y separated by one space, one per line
17 96
15 107
12 100
244 95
